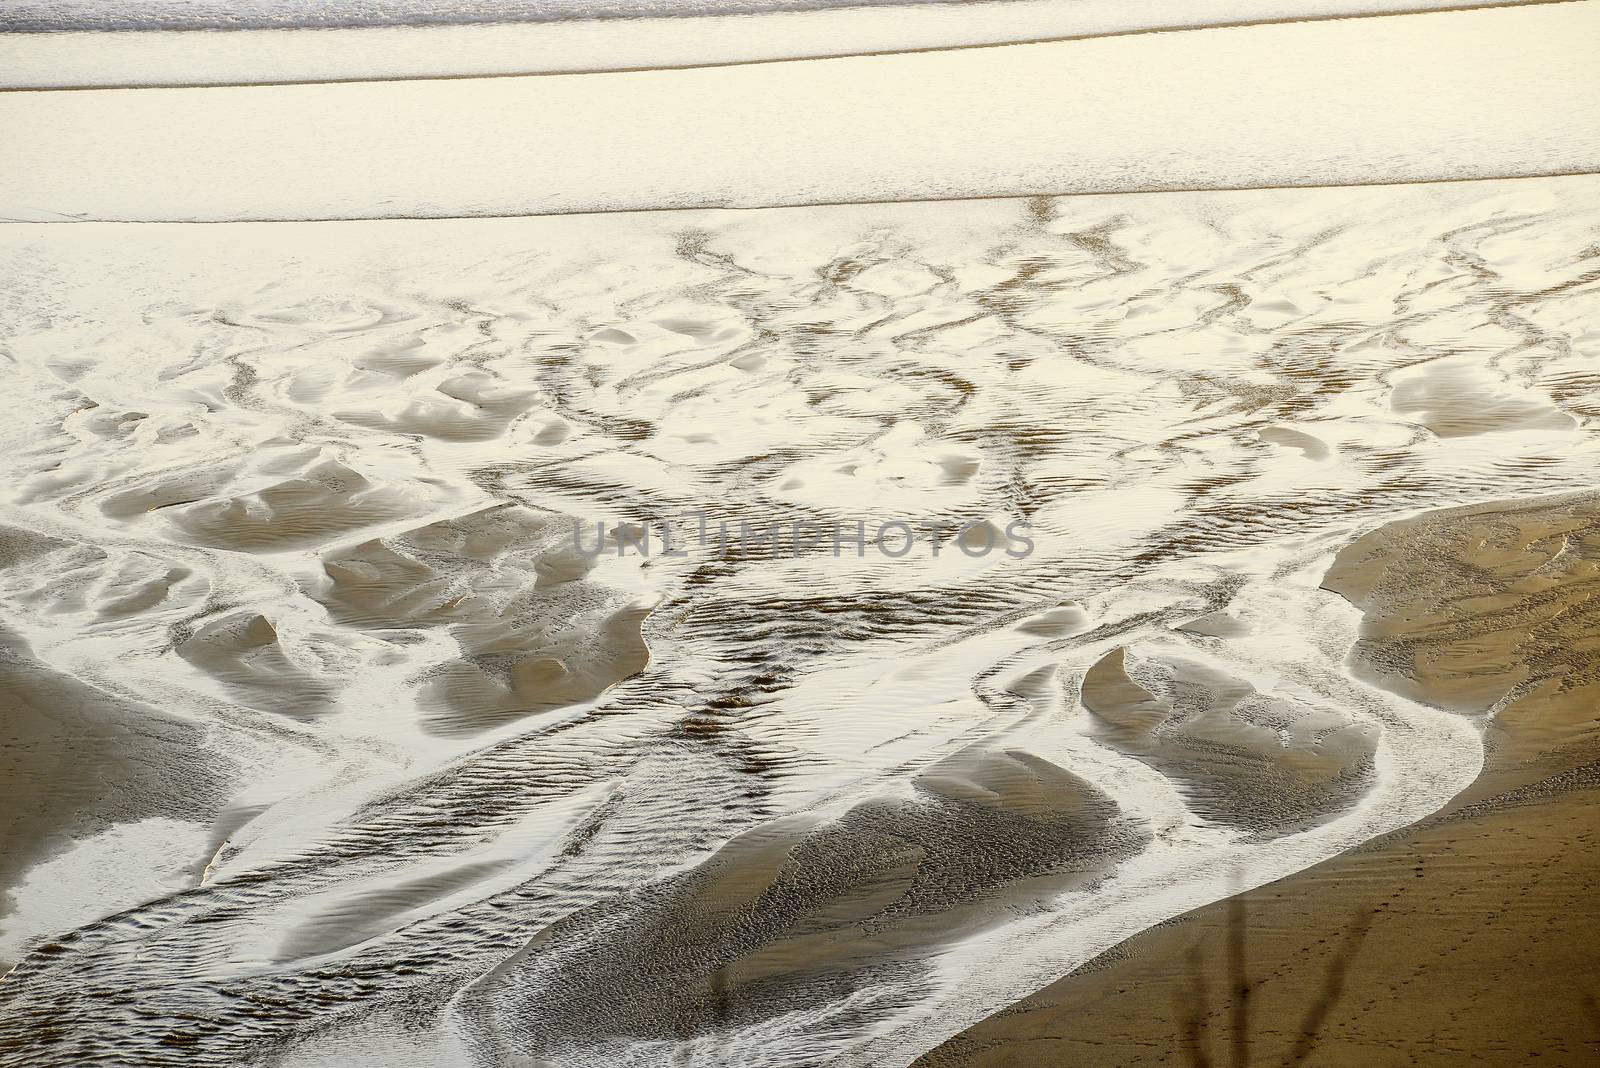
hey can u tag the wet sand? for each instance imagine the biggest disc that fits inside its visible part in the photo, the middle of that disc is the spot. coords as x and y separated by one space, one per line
382 42
76 762
1307 478
1464 940
1467 942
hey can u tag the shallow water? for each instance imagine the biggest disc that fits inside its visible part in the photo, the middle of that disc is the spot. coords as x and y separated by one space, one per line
399 774
55 16
96 45
1291 104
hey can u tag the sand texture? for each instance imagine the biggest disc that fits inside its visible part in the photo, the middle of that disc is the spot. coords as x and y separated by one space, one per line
388 677
1468 939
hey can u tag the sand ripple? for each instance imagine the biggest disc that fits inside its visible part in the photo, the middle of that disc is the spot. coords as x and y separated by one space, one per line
366 759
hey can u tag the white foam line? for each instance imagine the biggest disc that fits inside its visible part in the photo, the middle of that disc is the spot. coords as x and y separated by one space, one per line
1431 97
114 57
1424 758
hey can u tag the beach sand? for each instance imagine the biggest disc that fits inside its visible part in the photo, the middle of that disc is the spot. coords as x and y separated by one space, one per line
338 748
1467 939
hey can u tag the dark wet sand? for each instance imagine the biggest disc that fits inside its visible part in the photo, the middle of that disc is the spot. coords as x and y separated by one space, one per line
1467 939
1480 951
74 761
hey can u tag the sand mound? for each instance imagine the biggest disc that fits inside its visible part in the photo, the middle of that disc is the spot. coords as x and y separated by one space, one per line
1241 758
808 908
242 650
510 585
327 500
1490 611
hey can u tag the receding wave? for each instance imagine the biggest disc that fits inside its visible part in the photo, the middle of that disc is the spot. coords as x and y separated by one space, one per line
50 15
1291 104
58 15
385 43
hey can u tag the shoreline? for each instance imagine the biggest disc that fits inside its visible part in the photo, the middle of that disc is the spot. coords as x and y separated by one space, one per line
1019 120
1359 920
35 61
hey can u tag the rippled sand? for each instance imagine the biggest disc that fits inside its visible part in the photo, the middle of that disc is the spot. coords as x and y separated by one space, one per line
327 744
1466 939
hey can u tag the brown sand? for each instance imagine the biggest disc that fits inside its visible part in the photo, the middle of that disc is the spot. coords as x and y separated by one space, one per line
1489 610
801 910
1241 758
1467 939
